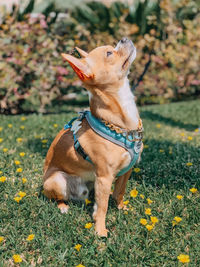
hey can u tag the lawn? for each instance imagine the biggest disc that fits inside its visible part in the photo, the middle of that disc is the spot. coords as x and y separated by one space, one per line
170 166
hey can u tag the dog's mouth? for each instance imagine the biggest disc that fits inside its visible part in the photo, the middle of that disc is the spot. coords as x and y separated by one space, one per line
127 59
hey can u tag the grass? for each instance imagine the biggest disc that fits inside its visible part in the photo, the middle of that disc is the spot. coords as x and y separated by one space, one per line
170 143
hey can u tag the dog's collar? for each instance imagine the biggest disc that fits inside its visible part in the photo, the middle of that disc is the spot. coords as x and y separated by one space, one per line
130 140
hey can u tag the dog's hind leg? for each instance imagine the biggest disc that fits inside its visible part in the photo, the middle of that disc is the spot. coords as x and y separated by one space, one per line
55 187
119 190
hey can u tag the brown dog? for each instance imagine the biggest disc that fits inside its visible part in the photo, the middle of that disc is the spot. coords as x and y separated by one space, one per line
103 72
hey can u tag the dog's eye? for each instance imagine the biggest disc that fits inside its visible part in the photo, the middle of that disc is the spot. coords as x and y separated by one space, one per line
109 53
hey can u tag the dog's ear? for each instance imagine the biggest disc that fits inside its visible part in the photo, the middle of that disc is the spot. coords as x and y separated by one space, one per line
79 66
81 52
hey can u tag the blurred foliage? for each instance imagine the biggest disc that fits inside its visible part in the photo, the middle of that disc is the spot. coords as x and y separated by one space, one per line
166 33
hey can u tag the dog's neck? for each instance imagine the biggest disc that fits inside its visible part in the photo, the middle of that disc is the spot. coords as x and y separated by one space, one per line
117 106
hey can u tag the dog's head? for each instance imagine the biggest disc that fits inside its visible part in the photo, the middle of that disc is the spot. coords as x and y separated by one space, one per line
104 65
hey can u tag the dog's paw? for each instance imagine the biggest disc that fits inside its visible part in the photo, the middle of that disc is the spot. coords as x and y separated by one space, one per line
102 232
63 207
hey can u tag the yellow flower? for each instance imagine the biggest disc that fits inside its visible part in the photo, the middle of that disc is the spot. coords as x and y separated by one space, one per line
78 247
17 199
2 179
22 127
87 201
1 128
146 146
9 125
17 258
55 125
193 190
182 134
189 138
22 194
126 202
80 265
148 211
177 219
30 237
1 172
44 141
5 149
149 227
161 151
17 162
179 197
88 225
143 221
154 219
158 125
19 170
22 154
196 130
149 201
23 118
183 258
19 139
142 196
125 212
189 164
1 140
24 180
136 170
134 193
1 239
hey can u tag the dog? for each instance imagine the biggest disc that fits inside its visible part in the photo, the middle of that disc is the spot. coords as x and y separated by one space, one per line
69 171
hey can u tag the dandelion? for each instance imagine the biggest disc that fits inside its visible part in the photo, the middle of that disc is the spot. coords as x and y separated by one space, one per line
134 193
149 201
19 139
5 149
143 221
17 199
189 164
183 258
17 162
55 125
126 202
189 138
17 258
125 212
22 154
149 227
177 219
1 239
22 194
193 190
2 179
78 247
182 134
154 219
148 211
22 127
30 237
158 125
80 265
24 180
19 170
196 130
161 151
179 197
136 170
23 118
1 172
87 201
9 125
142 196
146 146
44 141
1 128
1 140
88 225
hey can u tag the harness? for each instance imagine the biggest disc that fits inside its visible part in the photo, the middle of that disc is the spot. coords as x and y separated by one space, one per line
129 140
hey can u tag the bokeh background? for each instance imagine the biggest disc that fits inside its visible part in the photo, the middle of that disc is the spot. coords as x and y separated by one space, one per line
33 34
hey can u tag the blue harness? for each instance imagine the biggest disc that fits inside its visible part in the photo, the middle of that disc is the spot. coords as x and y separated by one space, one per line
131 140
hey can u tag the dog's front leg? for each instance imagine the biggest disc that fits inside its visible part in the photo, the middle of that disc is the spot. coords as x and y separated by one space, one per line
102 193
119 190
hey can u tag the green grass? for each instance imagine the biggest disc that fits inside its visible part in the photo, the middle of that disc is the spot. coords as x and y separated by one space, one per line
163 174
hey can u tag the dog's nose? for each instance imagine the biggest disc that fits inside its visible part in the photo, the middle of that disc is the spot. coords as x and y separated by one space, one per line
124 40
